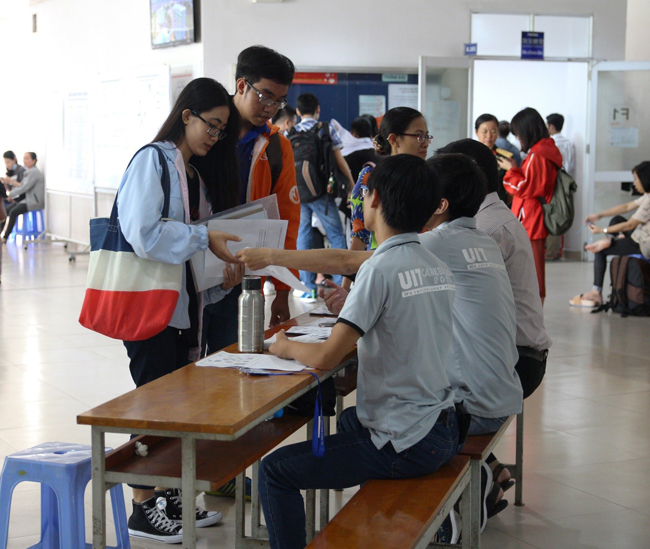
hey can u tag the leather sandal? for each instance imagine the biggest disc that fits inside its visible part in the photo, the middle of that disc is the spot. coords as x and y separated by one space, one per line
496 472
579 301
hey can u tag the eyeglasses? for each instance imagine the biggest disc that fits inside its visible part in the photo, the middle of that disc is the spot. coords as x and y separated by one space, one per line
266 101
421 137
213 131
364 190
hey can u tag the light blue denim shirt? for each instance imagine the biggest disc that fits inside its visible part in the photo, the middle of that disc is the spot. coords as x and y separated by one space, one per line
140 201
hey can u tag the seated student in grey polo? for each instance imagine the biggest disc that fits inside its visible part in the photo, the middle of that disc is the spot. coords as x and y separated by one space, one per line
404 424
481 364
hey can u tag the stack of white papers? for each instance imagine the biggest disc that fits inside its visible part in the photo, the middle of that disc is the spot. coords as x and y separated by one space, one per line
250 361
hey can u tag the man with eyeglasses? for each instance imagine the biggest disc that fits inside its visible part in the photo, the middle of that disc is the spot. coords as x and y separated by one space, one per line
266 167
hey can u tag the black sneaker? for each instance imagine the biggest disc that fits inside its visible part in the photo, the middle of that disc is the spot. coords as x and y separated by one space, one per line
150 521
174 509
449 531
486 488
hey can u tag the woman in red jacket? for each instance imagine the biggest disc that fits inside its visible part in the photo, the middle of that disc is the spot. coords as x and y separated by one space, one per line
534 180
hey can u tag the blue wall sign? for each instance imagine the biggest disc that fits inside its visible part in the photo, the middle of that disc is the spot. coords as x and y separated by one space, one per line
470 49
532 45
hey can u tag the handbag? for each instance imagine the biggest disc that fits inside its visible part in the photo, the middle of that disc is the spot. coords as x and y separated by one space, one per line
128 297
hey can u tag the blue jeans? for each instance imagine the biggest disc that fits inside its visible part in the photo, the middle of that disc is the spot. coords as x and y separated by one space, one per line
333 228
350 459
485 425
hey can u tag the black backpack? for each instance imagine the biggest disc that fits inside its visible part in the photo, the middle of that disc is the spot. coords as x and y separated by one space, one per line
314 158
630 278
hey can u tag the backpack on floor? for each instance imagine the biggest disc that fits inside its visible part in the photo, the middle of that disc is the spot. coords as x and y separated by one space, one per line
630 276
559 212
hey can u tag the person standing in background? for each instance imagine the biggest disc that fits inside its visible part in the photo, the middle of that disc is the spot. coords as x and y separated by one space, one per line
503 143
535 179
555 123
285 119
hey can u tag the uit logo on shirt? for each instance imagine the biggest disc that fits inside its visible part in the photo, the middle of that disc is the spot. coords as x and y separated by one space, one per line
420 281
477 259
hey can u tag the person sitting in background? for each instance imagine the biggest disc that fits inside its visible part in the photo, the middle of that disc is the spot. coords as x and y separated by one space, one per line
14 174
285 119
404 424
32 187
534 180
625 237
503 143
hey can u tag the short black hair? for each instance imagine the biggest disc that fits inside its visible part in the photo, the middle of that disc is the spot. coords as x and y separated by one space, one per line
408 189
11 155
287 112
484 158
259 62
373 123
307 103
642 171
557 120
485 118
504 128
529 127
462 182
362 127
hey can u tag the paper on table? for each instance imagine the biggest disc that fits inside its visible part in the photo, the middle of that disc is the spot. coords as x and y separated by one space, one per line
223 359
314 331
322 311
303 338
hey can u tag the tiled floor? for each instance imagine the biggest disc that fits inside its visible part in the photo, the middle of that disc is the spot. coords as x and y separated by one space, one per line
587 449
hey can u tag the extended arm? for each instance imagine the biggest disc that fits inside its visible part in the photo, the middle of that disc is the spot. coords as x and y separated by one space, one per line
616 210
330 260
322 356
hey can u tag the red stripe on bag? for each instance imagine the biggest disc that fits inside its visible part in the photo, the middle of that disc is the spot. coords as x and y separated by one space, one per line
107 313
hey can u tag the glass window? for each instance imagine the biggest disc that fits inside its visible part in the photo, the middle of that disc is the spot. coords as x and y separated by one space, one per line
498 33
564 36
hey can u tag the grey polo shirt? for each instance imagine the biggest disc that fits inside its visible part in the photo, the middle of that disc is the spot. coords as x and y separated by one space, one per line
496 219
481 364
401 305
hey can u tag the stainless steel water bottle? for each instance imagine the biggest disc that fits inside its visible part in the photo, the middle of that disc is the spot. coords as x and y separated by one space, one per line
251 316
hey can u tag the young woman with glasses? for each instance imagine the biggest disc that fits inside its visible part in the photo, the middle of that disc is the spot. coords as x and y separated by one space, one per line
199 135
402 131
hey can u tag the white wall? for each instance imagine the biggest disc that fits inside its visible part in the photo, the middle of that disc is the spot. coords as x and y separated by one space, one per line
376 33
637 44
547 87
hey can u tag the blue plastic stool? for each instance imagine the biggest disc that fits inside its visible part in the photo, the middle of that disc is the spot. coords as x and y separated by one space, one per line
30 225
64 470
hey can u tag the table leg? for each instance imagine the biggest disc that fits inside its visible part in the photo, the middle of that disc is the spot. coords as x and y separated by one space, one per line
240 510
98 459
188 484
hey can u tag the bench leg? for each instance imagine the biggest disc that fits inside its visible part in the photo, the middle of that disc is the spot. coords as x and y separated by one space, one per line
519 461
188 485
240 510
98 488
468 540
258 530
475 499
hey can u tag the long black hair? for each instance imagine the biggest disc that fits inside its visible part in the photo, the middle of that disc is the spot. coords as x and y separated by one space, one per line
395 121
529 127
642 171
219 168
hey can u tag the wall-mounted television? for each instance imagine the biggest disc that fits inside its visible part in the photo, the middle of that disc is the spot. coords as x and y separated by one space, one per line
173 22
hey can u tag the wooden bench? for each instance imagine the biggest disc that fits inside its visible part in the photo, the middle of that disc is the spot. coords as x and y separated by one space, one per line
400 513
217 462
478 448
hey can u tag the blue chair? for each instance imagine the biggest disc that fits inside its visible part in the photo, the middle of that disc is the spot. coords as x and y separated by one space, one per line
30 225
63 470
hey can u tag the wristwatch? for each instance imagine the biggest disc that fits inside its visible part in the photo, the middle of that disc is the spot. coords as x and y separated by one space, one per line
605 230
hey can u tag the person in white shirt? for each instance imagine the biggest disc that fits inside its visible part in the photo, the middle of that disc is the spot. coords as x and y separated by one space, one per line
555 123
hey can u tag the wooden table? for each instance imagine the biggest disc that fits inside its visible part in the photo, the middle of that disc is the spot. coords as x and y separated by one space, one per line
191 403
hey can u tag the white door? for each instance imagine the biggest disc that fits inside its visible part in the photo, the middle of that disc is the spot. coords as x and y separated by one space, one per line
620 131
444 98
